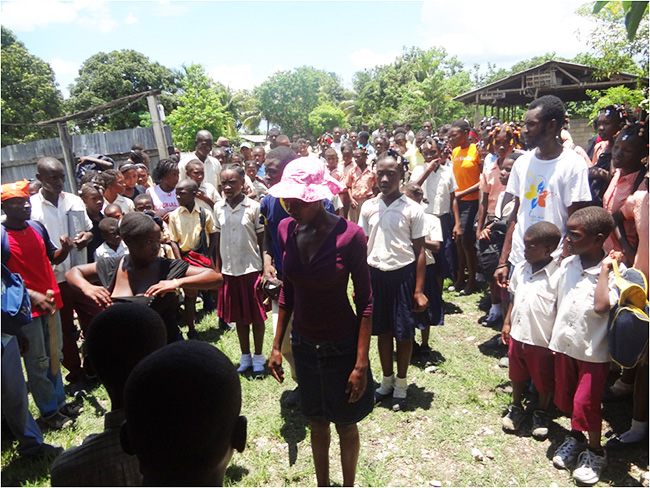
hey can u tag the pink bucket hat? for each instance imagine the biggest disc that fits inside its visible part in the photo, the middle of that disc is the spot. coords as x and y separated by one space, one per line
306 179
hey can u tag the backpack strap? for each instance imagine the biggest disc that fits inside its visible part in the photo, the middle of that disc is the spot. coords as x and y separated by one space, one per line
4 242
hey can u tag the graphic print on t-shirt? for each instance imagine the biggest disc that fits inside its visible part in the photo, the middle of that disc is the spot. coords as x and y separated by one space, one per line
537 194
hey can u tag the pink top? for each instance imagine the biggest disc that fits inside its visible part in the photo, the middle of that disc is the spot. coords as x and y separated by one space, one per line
617 192
361 182
637 209
490 184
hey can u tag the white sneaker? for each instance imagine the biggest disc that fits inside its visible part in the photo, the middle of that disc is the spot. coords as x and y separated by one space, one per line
590 465
258 363
567 453
245 362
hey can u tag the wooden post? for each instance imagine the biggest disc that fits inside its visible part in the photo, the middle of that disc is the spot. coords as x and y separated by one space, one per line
68 156
477 116
158 132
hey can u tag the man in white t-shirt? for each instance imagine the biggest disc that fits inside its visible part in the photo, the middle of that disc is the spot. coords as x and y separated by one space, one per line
548 183
212 167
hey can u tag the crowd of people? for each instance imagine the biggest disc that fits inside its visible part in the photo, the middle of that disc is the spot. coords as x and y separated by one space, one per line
281 229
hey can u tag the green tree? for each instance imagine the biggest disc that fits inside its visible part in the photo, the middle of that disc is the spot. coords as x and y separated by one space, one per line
325 117
200 106
29 93
287 97
108 76
613 52
620 95
634 14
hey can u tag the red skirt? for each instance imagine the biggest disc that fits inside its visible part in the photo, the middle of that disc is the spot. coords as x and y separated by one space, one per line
240 301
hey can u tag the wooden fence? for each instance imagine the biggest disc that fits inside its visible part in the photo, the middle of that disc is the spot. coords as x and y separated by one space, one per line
19 161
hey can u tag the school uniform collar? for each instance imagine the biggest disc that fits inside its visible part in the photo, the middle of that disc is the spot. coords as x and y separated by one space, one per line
183 209
548 269
246 202
44 201
398 201
593 270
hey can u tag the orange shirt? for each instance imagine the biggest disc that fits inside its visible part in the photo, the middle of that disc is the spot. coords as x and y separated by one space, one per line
467 169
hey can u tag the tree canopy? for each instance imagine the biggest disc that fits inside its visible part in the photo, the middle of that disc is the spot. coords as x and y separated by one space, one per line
107 76
200 106
29 93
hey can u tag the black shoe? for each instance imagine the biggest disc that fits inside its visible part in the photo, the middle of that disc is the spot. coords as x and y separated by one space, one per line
79 389
482 319
71 409
498 322
44 450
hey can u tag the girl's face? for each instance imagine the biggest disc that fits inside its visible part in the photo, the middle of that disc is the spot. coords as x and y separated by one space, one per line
429 154
196 173
360 157
302 212
506 168
251 171
332 161
389 175
118 186
94 201
606 127
170 180
457 137
231 183
346 154
143 177
627 153
146 249
503 145
130 178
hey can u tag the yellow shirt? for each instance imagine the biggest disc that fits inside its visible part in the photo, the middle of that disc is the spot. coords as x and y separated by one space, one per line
467 169
185 227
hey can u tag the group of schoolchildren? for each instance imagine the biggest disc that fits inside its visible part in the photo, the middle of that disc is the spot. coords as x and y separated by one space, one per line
432 206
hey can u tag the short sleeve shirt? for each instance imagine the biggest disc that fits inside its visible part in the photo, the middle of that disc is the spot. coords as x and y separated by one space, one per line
238 228
391 230
467 169
163 200
437 189
434 234
185 227
211 166
491 185
126 204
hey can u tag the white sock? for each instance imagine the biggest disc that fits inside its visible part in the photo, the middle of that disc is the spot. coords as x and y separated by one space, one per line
400 387
386 386
637 432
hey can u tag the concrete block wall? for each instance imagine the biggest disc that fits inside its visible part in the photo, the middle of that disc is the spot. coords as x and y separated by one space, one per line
581 131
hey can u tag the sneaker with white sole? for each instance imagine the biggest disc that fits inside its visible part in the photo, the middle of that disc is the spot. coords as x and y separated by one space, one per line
513 419
258 363
540 425
245 362
567 453
590 465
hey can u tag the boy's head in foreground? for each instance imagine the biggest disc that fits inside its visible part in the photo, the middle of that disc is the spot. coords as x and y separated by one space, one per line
183 419
587 230
540 240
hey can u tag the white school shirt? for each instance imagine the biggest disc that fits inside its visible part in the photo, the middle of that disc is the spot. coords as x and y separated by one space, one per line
211 167
126 204
437 188
546 189
104 251
238 228
161 199
434 233
534 304
211 192
579 332
391 230
57 221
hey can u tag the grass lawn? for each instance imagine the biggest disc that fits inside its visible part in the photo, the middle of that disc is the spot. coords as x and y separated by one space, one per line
454 406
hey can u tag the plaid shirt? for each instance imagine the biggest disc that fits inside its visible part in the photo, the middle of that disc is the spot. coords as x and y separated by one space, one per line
99 460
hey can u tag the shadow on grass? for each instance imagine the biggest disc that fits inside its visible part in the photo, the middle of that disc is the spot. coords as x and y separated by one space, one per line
416 397
423 360
451 308
236 473
92 401
26 471
494 347
213 334
294 429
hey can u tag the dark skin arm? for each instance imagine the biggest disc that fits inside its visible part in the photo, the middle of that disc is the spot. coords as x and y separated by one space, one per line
41 302
212 248
501 274
267 256
454 210
275 360
82 278
619 232
99 162
433 246
482 215
195 278
203 197
175 249
420 299
601 294
67 245
358 380
505 330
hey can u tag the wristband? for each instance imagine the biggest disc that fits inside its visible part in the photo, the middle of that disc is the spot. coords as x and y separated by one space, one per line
502 266
176 284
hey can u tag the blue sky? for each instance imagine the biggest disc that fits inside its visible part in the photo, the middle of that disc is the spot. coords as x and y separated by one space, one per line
242 43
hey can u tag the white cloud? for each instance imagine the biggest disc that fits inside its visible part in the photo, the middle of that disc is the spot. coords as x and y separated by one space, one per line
63 67
28 15
366 58
506 34
165 8
131 19
239 77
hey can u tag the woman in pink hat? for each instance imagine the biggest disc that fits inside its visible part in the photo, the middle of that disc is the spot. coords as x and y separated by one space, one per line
329 341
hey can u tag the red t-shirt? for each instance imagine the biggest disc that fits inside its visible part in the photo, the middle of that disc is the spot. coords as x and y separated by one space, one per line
29 259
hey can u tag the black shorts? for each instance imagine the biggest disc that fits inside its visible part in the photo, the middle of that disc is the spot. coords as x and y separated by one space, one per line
467 211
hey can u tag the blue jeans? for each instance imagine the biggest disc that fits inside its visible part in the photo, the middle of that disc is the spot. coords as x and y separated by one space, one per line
15 403
46 388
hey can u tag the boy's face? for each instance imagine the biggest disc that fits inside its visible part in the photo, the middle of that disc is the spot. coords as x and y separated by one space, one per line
111 237
353 138
116 214
94 201
506 168
251 171
337 134
388 176
231 183
273 171
360 157
332 161
52 179
185 195
18 208
346 154
429 154
196 173
579 241
259 155
143 204
535 251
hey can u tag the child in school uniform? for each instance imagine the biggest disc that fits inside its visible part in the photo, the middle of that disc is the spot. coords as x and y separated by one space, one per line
395 227
361 183
435 313
528 324
207 195
113 246
586 293
192 235
252 167
439 186
240 237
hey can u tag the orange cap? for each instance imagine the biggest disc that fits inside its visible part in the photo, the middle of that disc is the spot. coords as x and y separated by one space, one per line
18 189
